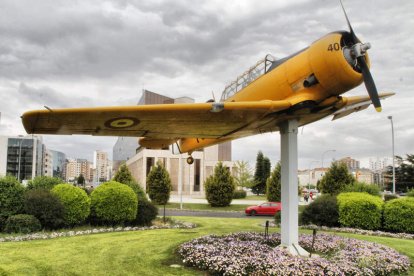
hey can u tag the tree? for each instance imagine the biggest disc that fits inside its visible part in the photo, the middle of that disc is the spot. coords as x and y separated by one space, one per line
404 174
261 174
273 185
81 180
336 179
159 185
219 187
124 176
44 182
244 176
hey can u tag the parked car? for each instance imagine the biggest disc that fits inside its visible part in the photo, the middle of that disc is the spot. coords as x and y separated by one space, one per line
267 208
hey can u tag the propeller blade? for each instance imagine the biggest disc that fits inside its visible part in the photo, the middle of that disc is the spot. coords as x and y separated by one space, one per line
354 38
369 84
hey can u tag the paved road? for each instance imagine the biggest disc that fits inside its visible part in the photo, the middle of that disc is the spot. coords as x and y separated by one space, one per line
188 213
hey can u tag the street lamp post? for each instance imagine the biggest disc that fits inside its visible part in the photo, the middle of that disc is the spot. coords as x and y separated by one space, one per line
393 155
323 154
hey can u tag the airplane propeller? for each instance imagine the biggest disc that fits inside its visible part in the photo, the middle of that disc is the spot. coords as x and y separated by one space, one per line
357 52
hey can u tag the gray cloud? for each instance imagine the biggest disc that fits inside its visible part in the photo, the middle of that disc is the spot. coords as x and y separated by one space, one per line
91 53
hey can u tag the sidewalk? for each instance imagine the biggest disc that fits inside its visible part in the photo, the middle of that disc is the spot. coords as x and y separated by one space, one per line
188 199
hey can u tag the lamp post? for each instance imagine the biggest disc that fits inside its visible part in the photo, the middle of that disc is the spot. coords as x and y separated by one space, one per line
393 155
310 164
323 154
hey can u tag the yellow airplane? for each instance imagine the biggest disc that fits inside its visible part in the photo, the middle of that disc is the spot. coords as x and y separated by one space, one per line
305 86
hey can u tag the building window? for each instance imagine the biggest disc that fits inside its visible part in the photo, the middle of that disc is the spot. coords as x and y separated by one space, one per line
150 164
197 175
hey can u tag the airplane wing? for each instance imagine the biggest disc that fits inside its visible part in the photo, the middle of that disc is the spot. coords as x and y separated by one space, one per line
163 121
355 104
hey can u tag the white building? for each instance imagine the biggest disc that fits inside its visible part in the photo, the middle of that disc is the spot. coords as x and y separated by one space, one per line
311 177
193 175
101 166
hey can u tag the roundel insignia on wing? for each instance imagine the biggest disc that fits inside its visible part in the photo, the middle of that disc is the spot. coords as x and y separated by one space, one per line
122 122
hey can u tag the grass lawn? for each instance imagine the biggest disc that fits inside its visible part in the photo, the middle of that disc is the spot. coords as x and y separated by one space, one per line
256 197
131 253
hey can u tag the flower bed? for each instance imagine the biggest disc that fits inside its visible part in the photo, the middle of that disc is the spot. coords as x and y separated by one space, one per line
360 231
53 235
252 254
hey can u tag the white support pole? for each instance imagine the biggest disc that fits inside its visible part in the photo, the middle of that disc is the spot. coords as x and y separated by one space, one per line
289 179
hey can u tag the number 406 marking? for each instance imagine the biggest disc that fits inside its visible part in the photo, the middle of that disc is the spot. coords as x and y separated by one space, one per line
334 47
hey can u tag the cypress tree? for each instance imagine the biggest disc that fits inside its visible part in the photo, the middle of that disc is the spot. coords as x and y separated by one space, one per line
273 185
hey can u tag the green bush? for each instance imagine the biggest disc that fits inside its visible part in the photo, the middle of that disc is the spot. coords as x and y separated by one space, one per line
124 176
388 197
239 194
399 215
11 197
75 201
219 187
360 187
146 213
45 206
113 203
360 210
410 193
323 211
22 223
43 182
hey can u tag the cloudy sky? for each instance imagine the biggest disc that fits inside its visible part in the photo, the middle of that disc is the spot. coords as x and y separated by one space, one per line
100 53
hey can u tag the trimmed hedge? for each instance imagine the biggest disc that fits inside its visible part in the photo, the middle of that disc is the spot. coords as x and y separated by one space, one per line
22 223
323 211
239 194
360 210
389 197
11 197
360 187
113 203
75 201
45 206
399 215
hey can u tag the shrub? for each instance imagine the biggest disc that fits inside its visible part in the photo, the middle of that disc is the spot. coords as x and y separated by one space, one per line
146 213
113 203
75 201
323 211
124 176
360 210
11 197
363 187
273 185
239 194
219 187
388 197
45 206
22 223
43 182
410 193
159 185
399 215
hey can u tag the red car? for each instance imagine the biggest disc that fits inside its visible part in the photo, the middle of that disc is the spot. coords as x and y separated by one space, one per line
267 208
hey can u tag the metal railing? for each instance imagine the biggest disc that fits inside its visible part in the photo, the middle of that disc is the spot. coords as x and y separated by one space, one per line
254 72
